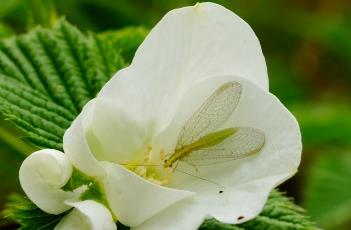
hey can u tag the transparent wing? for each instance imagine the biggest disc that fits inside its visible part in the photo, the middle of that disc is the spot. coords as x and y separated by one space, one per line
244 142
212 113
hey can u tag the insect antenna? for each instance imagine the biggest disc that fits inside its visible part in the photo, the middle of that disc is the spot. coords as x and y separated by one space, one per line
135 165
200 178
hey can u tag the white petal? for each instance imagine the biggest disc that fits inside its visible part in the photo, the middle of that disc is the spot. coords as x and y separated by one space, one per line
114 134
200 41
242 202
105 132
76 146
88 215
188 45
247 181
133 199
42 175
184 215
236 205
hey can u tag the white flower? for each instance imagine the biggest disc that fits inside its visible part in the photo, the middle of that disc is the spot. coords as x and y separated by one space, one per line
120 138
42 176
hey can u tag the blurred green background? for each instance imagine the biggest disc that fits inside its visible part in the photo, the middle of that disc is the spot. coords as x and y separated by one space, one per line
307 44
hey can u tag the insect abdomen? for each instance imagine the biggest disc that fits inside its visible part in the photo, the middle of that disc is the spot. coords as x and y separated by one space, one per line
214 138
206 141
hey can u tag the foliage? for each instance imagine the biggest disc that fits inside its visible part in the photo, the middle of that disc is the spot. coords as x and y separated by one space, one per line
334 118
46 77
328 192
5 31
28 215
125 40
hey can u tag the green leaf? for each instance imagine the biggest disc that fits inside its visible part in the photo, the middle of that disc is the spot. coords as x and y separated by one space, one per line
328 190
126 40
29 216
106 60
47 76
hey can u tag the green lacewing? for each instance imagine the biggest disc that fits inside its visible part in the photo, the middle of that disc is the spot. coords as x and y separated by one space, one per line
201 143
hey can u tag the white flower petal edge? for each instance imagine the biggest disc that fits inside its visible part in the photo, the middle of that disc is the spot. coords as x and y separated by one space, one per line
188 45
42 175
206 35
88 215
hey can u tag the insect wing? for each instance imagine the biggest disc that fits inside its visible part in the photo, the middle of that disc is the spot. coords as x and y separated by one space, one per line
212 113
243 143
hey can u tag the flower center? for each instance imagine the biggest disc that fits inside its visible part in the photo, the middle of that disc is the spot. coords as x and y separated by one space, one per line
152 170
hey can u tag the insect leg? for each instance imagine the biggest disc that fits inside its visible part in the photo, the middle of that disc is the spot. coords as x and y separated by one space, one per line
193 165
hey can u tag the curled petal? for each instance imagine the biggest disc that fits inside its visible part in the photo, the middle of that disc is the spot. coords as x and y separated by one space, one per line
88 215
182 215
76 145
42 175
134 199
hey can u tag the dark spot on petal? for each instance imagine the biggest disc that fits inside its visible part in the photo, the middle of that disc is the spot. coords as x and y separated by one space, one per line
220 191
240 217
